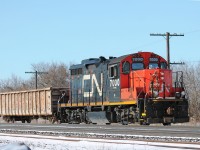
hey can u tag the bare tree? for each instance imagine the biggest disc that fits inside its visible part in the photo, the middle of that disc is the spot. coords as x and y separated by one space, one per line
13 84
192 84
56 75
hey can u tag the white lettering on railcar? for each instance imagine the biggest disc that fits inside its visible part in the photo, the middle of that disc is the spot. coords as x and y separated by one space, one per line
114 82
93 79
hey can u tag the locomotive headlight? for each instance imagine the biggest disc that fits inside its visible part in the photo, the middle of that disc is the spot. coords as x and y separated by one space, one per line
155 93
183 94
178 95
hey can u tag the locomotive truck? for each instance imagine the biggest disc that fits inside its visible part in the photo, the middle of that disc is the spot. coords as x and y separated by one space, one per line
135 88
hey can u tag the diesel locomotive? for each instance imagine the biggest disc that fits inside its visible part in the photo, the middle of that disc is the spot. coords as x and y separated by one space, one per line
135 88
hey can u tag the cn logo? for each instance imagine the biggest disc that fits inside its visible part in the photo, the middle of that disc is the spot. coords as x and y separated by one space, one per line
93 80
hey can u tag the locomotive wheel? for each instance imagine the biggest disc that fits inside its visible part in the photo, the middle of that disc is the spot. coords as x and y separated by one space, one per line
166 124
124 122
144 123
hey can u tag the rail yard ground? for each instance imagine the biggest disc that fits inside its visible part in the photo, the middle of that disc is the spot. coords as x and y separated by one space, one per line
86 136
151 133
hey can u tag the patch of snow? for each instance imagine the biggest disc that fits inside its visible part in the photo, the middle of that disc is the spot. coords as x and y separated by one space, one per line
15 146
36 142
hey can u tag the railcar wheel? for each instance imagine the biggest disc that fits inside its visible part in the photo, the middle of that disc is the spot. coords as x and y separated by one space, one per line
166 124
23 121
28 120
52 119
13 120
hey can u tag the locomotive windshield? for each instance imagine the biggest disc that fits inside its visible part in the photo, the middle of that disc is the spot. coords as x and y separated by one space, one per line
153 65
137 66
137 63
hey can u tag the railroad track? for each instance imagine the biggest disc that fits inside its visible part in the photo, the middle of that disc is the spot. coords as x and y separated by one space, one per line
150 133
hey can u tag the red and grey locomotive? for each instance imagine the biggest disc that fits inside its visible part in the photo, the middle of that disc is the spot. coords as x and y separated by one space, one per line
132 88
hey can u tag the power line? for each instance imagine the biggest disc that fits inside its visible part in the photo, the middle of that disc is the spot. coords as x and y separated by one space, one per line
167 36
36 74
148 44
193 31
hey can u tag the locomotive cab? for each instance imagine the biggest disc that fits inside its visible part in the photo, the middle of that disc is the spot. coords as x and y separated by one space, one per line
146 79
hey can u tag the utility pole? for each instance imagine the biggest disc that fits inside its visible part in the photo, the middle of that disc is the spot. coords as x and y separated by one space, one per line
36 74
167 36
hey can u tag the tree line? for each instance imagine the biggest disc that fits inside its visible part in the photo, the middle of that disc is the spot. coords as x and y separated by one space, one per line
191 80
57 75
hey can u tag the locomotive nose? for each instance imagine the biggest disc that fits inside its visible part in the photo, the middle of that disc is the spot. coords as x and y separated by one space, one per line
155 82
160 83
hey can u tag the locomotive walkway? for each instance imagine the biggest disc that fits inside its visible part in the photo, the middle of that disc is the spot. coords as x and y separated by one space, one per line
151 133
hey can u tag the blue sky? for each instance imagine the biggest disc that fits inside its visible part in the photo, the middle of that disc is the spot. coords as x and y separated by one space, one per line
71 30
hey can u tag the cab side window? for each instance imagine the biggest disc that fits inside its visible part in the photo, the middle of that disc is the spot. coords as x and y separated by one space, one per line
126 67
113 71
163 65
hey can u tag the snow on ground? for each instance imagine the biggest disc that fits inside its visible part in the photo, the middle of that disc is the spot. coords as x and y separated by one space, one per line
15 146
35 142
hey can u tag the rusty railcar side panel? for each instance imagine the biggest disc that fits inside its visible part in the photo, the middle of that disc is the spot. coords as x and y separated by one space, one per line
7 105
26 103
48 102
20 104
41 102
0 104
12 104
3 99
30 103
34 103
37 98
23 108
9 101
17 103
